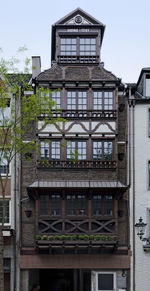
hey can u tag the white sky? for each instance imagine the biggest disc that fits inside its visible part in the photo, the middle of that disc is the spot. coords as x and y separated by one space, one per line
126 43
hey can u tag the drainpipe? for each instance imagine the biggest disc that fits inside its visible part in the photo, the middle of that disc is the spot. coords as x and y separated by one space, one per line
133 120
14 211
132 177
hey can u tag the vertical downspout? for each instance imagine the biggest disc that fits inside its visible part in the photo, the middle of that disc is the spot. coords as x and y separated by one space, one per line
14 206
133 195
132 172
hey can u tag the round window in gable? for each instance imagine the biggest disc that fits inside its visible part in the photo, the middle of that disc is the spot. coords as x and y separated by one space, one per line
78 19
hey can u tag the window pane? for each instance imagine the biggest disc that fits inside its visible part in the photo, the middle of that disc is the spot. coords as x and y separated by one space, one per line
108 205
68 46
55 149
44 149
97 205
82 150
71 100
56 203
81 205
44 204
108 100
70 205
4 168
97 150
87 46
82 100
70 150
97 100
55 95
149 174
105 282
7 209
108 150
149 123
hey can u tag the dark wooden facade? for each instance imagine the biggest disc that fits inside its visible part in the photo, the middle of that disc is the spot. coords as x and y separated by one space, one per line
77 214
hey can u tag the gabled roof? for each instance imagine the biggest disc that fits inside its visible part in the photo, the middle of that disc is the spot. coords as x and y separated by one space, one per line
79 11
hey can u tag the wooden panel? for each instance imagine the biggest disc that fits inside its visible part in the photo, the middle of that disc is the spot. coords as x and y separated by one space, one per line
75 261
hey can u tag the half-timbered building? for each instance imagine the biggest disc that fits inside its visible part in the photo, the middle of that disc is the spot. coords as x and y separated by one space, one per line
74 223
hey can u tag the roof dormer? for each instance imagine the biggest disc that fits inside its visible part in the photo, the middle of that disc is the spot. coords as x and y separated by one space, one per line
143 84
77 39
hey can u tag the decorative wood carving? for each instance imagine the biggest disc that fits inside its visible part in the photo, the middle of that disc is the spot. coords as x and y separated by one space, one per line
76 226
84 164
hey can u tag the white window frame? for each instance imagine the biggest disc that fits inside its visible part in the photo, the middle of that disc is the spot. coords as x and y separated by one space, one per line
8 199
114 280
148 222
9 169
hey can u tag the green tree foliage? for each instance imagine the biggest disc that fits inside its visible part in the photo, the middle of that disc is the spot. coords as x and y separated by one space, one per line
19 114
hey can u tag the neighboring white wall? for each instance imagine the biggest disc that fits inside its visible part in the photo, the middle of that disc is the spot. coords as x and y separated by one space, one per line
142 195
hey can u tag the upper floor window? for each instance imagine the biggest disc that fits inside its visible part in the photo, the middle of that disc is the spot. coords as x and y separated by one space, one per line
68 46
50 149
5 115
149 122
77 100
55 95
4 167
147 85
76 150
102 150
149 174
76 205
80 46
7 211
87 46
50 205
103 100
102 205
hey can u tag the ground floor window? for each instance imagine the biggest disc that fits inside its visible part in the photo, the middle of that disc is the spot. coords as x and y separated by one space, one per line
105 281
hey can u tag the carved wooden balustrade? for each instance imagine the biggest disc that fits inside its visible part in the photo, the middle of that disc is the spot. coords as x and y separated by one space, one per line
86 114
76 226
82 164
78 59
76 235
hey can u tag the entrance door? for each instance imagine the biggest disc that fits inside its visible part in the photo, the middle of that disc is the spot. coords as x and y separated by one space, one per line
103 281
56 280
